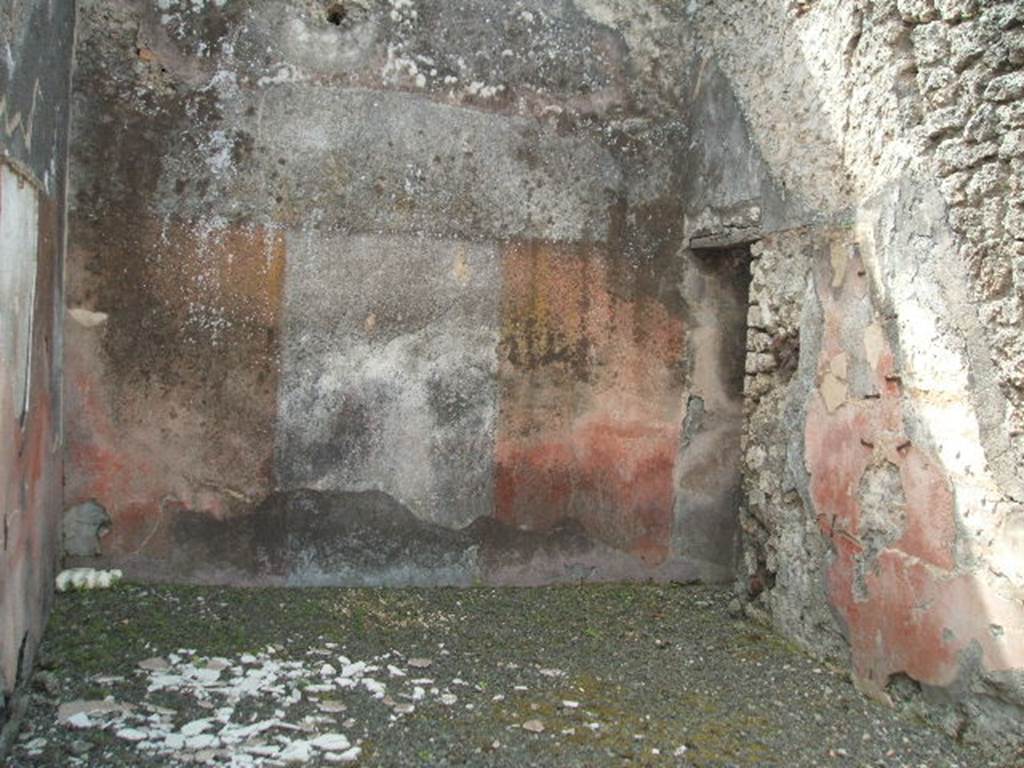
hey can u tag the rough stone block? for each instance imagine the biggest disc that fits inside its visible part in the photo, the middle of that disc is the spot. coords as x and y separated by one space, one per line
983 125
917 11
931 45
954 155
957 10
943 122
1012 144
83 526
965 47
1009 87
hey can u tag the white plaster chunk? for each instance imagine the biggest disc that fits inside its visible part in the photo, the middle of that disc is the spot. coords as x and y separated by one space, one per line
296 753
196 727
154 664
348 756
87 318
833 392
87 578
79 720
331 742
131 734
87 707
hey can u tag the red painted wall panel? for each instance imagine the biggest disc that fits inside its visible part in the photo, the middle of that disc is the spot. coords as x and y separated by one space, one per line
32 468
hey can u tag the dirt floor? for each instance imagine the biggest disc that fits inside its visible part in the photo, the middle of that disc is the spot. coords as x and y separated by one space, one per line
566 676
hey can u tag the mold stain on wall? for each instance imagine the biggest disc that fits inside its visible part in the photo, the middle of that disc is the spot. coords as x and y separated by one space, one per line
195 356
591 397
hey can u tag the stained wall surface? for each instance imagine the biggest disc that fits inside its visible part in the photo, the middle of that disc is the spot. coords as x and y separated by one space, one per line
395 293
35 72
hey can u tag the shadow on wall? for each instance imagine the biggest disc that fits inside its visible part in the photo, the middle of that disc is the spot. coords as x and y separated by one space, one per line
708 465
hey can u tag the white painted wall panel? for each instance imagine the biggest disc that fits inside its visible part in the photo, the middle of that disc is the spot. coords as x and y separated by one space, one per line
19 235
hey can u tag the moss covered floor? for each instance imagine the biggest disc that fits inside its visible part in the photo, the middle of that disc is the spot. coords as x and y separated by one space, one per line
564 676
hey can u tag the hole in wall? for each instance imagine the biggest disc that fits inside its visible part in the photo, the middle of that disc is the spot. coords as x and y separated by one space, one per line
336 14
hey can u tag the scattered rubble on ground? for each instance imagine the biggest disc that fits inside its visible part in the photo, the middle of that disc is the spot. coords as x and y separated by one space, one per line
154 677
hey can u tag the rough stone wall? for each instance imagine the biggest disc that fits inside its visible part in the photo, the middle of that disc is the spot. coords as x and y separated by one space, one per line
36 39
784 553
883 476
407 253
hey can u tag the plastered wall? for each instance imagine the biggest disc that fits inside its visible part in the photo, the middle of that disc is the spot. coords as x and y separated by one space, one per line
35 71
396 294
430 293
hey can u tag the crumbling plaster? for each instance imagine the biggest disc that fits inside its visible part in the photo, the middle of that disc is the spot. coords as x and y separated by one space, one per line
901 123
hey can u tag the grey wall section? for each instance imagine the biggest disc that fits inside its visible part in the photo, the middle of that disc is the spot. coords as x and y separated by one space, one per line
36 45
388 375
729 191
385 162
36 38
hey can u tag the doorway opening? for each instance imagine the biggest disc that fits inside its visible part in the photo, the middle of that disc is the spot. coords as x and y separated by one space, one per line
709 469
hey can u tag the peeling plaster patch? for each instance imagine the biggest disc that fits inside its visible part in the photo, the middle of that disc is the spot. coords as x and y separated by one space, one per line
874 345
837 366
839 258
834 385
883 516
833 391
